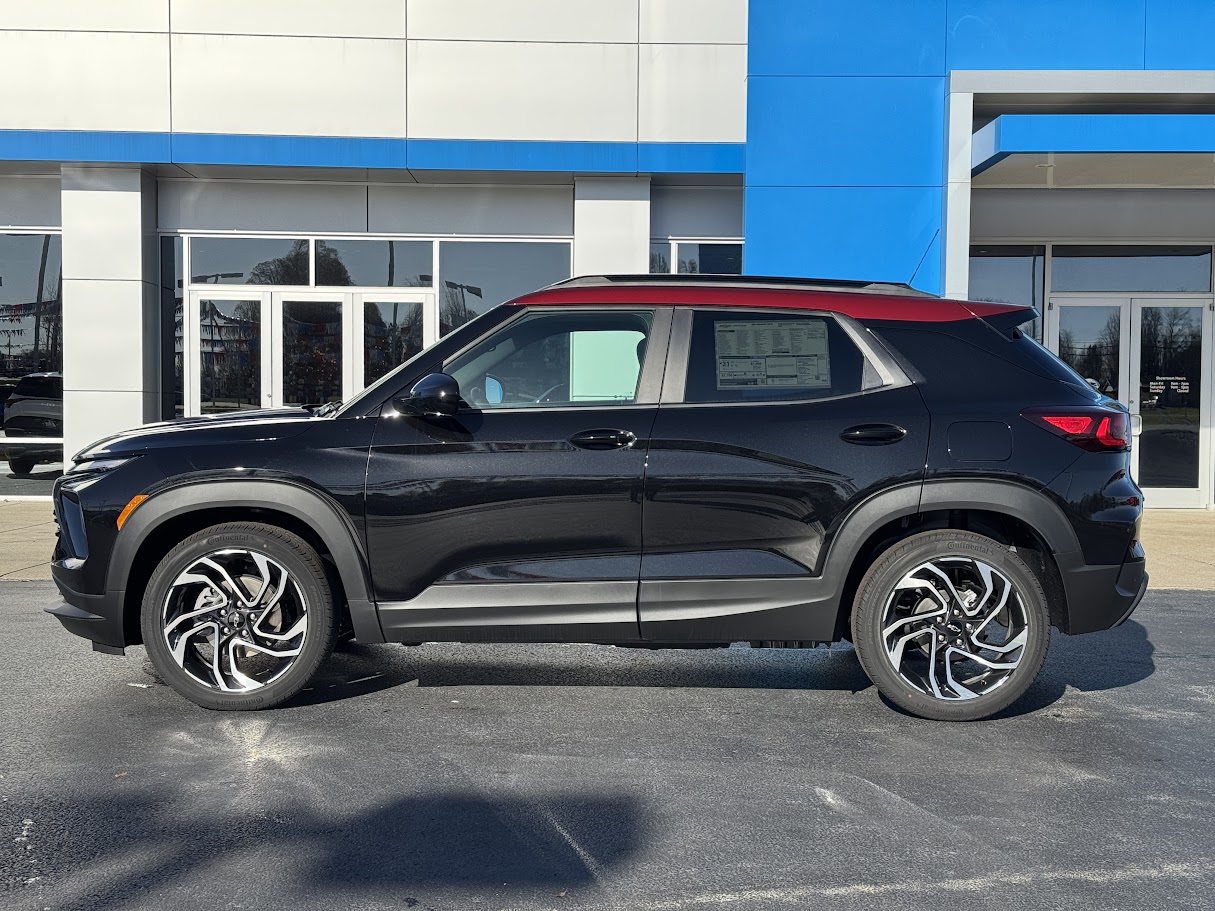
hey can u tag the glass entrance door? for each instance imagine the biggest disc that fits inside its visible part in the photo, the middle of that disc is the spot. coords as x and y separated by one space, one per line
310 344
1154 355
227 337
1170 371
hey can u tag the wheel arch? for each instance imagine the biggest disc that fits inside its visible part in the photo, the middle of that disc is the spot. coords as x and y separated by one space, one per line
172 515
1008 512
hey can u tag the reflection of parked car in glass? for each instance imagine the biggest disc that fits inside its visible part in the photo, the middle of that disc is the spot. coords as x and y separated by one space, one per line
34 409
6 389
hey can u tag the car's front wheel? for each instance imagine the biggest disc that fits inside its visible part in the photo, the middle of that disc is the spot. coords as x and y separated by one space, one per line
239 616
951 625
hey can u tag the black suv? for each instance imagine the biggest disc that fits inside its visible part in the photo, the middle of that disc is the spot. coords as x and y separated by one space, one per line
636 461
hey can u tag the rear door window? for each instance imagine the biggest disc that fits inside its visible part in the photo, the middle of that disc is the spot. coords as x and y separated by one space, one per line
736 356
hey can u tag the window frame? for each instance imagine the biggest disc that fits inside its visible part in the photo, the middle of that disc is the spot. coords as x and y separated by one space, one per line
890 374
649 380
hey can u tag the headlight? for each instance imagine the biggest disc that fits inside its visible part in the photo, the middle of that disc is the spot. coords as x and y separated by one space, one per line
96 466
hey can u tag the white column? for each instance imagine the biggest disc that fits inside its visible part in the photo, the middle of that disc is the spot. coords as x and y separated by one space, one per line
611 225
956 248
111 312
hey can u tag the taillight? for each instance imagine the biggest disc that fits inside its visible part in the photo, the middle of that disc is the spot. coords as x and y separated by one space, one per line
1094 429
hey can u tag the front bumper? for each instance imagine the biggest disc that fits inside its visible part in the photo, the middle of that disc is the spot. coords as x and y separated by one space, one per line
97 618
1102 597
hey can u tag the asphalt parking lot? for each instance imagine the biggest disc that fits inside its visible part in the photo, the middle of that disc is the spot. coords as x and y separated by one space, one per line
464 777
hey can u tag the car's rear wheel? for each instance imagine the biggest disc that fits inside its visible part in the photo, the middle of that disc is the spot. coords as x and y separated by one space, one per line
239 616
20 466
951 625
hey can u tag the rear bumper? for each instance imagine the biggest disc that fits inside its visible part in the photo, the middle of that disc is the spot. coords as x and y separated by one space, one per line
1102 597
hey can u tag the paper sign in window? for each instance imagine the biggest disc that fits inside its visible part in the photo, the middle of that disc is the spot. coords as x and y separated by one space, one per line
785 353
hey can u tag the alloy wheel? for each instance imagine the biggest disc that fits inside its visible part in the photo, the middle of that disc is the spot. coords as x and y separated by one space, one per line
235 620
955 628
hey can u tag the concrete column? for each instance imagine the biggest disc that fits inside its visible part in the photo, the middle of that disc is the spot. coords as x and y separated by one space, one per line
611 225
111 314
956 248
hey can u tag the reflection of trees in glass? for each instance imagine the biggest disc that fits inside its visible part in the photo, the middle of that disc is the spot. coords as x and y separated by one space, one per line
392 341
292 267
312 351
231 349
31 338
1170 346
456 311
660 264
1096 359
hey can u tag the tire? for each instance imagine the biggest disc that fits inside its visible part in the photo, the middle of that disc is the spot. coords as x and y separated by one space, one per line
21 466
283 610
920 648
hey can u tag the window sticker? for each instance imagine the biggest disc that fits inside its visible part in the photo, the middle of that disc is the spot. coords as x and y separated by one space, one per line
790 353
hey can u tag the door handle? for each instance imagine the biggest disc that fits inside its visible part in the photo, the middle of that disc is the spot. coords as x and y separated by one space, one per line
604 439
873 434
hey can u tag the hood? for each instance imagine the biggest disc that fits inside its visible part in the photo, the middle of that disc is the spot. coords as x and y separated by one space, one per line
208 430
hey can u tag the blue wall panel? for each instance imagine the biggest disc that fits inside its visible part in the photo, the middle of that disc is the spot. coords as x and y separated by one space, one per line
819 38
1045 34
839 130
874 233
1180 35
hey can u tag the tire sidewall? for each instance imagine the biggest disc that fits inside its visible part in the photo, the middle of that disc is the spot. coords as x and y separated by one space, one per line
893 565
304 568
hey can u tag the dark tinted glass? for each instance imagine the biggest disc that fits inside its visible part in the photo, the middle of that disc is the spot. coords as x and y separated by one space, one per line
312 352
710 259
478 275
248 261
660 258
1009 275
1170 390
171 327
40 387
230 334
1131 268
374 263
1090 342
392 334
31 314
757 357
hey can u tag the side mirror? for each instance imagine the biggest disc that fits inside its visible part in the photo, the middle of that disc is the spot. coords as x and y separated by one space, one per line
436 395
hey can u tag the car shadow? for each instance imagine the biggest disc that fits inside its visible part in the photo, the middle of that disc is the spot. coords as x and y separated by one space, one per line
114 850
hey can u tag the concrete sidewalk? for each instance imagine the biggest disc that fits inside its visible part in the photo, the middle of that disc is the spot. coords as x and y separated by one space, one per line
1180 544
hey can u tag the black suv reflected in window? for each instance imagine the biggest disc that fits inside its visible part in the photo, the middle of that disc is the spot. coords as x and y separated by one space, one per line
641 461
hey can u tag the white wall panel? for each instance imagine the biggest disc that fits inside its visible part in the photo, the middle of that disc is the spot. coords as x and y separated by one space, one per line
86 15
524 20
322 18
693 93
694 21
487 90
105 240
90 415
103 341
514 211
85 81
696 212
611 226
291 86
29 201
1092 214
226 205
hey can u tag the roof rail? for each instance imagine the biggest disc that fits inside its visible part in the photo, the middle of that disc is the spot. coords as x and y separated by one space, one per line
748 281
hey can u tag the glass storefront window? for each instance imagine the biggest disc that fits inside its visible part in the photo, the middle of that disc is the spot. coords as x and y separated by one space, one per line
392 334
1009 275
230 335
479 275
1090 342
312 352
660 258
250 261
710 259
1158 267
31 362
374 263
1170 396
172 339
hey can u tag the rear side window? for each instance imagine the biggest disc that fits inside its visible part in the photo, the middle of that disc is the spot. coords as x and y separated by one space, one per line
770 357
47 387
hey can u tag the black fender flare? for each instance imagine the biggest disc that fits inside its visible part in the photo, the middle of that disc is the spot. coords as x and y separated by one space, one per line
330 522
994 495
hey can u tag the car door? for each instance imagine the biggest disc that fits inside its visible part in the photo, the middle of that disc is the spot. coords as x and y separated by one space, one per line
520 516
773 426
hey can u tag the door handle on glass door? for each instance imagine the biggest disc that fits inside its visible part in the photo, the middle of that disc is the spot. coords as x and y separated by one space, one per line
604 439
873 434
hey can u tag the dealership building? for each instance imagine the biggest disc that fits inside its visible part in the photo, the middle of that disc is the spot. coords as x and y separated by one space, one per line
210 204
